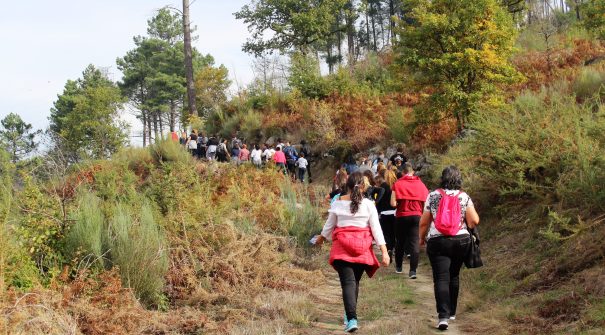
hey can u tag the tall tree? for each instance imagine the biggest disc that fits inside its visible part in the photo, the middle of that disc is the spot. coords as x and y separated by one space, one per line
189 59
85 116
460 49
17 137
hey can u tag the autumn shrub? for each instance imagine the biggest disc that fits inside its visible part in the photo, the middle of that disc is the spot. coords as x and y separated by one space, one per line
137 247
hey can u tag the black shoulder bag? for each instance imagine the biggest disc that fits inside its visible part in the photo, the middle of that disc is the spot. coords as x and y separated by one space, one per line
473 258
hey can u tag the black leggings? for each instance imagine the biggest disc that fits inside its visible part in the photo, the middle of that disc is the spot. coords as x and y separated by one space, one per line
350 275
447 256
406 234
387 224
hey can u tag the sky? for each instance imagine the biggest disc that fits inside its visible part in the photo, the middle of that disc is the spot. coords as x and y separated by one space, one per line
45 43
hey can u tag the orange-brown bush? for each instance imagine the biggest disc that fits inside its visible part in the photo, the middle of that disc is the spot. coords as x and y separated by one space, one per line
544 67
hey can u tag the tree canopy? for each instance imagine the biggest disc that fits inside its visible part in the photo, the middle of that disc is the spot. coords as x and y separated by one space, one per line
17 137
86 116
460 49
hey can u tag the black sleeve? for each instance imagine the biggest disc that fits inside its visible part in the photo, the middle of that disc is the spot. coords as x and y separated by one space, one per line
378 194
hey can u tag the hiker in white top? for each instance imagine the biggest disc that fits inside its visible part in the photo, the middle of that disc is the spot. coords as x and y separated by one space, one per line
302 164
352 225
447 247
268 153
256 156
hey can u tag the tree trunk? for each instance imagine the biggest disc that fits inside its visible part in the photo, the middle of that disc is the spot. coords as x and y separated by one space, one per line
161 127
391 21
330 61
149 117
350 22
172 118
372 14
144 128
189 59
578 16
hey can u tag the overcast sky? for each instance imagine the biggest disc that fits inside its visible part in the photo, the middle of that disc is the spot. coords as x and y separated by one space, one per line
45 43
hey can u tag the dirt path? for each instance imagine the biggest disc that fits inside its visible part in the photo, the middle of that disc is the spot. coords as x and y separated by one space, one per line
389 304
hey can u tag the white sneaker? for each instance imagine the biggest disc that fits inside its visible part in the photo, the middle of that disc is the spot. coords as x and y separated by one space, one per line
452 318
442 325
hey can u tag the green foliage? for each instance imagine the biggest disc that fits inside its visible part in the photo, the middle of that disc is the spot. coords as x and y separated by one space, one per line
166 26
594 20
84 242
85 116
399 125
17 137
589 84
136 245
40 225
16 266
558 160
291 24
302 220
459 48
251 124
169 151
211 85
306 78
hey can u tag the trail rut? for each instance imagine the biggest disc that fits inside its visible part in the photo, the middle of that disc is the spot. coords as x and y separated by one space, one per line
389 303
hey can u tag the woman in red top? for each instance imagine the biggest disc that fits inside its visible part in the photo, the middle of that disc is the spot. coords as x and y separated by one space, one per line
280 159
408 196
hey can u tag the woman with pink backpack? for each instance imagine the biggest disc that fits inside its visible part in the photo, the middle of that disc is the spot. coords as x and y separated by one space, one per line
448 215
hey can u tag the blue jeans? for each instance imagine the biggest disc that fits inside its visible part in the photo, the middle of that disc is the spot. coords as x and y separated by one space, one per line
301 174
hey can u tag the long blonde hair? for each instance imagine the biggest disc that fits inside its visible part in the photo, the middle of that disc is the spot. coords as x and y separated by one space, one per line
390 177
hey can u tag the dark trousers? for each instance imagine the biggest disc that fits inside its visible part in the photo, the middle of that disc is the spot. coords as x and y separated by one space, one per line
387 223
309 170
201 152
406 235
282 168
350 275
447 256
301 174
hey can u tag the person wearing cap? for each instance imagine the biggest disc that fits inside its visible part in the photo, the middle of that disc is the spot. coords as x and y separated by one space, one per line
398 156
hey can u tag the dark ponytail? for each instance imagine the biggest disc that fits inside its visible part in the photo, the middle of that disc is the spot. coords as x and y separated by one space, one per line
355 183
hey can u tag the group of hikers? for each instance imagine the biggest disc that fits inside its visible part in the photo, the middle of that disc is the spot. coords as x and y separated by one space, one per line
378 202
384 203
284 155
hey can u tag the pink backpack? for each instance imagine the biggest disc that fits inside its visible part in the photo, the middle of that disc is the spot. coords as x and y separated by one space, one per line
448 218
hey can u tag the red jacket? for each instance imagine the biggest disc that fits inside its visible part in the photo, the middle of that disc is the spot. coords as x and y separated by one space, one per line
411 194
279 157
354 245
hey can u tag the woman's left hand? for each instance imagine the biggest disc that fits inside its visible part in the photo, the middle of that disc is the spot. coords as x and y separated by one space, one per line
386 260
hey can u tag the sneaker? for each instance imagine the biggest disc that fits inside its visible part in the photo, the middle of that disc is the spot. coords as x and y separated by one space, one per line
442 325
351 326
398 269
345 320
412 274
453 317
